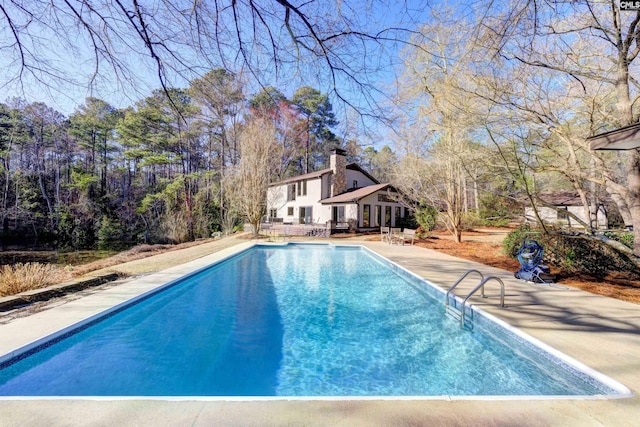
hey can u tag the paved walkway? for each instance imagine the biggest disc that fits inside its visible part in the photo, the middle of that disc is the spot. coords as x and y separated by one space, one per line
601 332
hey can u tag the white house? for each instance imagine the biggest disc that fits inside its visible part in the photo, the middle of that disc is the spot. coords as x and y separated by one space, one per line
565 201
344 194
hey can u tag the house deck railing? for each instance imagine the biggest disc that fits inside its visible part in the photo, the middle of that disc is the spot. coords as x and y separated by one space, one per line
285 230
339 226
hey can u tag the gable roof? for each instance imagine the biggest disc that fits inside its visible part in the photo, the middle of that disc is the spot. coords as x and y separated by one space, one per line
310 175
565 198
355 195
356 167
624 138
318 174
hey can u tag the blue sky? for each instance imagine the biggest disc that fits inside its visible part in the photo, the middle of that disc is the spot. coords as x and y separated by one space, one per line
74 62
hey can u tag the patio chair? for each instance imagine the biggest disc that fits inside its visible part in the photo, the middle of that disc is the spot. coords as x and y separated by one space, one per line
395 234
408 235
384 234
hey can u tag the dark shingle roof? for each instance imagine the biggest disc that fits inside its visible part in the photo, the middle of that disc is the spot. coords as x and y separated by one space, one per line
310 175
355 195
565 198
318 174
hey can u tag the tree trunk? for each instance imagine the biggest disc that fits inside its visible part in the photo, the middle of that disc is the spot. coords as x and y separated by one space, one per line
43 190
465 195
623 103
476 201
593 206
306 149
633 197
633 162
458 235
585 206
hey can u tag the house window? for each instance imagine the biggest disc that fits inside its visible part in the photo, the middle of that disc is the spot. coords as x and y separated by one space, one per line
306 215
291 192
338 214
398 214
355 183
562 213
377 216
273 213
366 214
302 188
387 216
290 211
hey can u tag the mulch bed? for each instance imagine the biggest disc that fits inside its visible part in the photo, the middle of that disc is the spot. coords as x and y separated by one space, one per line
616 285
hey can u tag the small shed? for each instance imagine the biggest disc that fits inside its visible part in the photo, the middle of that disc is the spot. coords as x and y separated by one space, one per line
569 202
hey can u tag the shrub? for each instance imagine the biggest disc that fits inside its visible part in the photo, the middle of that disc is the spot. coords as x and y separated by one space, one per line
473 219
408 221
513 241
32 275
501 222
175 227
206 217
426 216
111 235
421 233
493 205
74 231
571 253
624 237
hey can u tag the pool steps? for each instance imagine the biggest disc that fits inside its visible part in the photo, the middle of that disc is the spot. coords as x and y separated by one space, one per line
458 314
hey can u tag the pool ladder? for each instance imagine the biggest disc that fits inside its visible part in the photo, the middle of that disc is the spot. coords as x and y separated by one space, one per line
458 314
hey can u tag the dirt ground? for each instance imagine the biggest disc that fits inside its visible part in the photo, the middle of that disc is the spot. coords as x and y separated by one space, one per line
484 246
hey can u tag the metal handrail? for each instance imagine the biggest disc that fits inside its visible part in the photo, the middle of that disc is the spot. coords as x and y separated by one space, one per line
460 280
481 285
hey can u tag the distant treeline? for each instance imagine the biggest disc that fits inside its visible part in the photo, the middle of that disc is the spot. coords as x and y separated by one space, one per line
151 173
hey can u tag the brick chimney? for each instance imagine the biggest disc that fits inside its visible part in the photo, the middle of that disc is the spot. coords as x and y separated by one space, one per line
338 164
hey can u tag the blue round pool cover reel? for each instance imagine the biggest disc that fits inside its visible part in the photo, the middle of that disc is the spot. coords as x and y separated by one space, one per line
532 270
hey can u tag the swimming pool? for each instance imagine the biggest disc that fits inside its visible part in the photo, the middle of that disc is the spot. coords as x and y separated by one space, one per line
294 320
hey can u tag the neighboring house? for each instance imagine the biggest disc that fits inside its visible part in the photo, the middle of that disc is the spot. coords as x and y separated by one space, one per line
565 201
624 138
344 194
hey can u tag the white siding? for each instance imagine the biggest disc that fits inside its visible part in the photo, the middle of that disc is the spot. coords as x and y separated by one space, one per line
551 216
277 199
546 214
319 189
362 179
372 200
326 187
351 212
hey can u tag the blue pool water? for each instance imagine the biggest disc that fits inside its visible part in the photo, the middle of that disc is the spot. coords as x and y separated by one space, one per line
299 320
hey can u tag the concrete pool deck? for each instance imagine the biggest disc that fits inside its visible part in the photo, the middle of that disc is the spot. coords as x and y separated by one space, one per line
600 332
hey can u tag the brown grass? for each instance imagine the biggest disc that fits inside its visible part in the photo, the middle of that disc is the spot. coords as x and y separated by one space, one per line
21 277
137 252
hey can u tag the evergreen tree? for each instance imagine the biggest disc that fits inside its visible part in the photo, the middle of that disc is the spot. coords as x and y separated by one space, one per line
318 111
